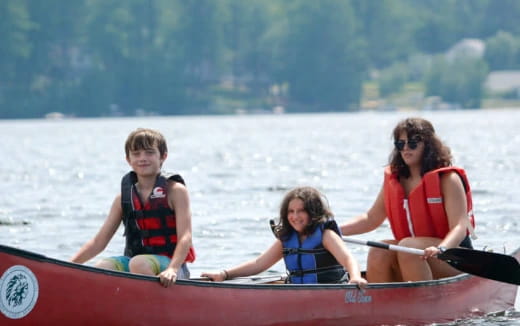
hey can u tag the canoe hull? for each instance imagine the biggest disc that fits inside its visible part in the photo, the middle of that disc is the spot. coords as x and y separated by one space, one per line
58 292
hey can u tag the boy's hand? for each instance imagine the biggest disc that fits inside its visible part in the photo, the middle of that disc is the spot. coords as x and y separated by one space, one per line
168 277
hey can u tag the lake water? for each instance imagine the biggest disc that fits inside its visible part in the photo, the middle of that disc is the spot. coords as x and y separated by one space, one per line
59 177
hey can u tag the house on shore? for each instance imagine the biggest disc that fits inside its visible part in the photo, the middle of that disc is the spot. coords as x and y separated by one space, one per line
504 81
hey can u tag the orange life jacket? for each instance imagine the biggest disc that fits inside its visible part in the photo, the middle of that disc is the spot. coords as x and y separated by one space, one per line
427 216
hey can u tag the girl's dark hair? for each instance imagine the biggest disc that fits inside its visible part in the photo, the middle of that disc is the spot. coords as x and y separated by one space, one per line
435 154
143 138
315 205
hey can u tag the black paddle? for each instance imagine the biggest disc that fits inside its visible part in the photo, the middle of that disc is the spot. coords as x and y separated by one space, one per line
498 267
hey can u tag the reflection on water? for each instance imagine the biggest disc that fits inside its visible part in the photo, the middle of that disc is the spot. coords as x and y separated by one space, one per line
59 177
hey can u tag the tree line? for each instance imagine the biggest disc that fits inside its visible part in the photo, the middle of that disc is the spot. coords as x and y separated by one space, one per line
90 58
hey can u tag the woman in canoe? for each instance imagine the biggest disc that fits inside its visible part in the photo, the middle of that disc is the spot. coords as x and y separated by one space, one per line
427 202
308 240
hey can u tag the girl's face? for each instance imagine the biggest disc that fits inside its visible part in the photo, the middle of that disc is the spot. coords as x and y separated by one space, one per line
146 162
411 149
297 215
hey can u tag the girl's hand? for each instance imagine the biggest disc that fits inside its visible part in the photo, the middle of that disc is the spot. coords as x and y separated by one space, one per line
215 276
359 281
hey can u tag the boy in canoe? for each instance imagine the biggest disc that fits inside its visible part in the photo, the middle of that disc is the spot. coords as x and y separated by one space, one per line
155 210
308 240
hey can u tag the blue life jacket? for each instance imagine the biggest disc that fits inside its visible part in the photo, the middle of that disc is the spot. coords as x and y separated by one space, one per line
309 262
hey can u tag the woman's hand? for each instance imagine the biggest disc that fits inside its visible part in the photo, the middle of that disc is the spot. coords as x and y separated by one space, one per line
431 252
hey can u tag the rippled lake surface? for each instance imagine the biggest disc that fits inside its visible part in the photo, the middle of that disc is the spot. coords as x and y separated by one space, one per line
59 177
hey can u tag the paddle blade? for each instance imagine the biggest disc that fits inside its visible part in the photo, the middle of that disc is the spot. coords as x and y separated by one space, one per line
498 267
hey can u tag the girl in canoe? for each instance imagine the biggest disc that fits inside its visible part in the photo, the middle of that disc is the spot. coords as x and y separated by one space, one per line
308 240
155 210
427 202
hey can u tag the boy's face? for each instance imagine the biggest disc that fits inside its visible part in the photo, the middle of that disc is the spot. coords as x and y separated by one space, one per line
146 162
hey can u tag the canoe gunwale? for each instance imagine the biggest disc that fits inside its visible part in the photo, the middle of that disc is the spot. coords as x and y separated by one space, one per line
204 283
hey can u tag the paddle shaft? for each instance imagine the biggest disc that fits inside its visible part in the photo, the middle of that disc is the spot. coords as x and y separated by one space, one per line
383 245
255 279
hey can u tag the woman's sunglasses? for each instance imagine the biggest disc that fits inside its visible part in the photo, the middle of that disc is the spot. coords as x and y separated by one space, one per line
412 144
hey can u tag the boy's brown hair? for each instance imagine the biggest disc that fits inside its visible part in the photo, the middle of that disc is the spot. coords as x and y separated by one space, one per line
143 138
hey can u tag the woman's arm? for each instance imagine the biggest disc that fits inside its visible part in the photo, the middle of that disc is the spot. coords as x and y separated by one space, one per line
455 204
368 221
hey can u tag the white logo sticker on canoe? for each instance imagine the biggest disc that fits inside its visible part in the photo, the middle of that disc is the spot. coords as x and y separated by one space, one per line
18 292
357 296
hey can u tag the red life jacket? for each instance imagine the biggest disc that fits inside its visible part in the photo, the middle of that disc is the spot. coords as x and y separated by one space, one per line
425 205
150 228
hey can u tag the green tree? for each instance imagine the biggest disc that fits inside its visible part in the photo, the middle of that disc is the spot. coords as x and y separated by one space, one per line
323 55
440 24
121 38
392 79
503 51
500 15
460 82
386 26
15 49
245 35
136 58
434 34
14 28
199 36
99 57
56 64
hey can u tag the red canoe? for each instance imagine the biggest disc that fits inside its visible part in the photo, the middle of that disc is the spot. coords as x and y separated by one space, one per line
37 290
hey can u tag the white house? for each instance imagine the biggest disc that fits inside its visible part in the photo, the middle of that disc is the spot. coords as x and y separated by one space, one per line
503 81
